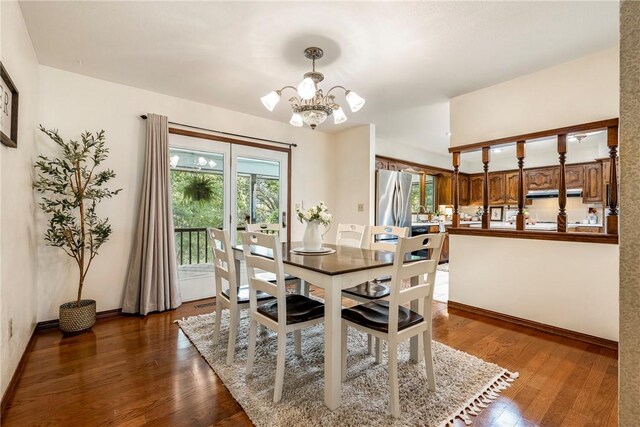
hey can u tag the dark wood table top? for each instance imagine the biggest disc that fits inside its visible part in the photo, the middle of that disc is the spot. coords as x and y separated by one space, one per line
345 259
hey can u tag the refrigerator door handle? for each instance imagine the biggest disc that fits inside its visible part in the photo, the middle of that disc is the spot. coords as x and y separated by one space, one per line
398 202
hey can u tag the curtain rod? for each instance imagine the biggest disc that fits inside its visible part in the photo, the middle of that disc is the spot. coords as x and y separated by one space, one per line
228 133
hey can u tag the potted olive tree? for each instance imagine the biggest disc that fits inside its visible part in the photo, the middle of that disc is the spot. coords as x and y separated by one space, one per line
72 187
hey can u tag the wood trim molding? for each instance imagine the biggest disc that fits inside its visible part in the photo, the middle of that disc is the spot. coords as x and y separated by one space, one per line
9 392
418 165
601 124
611 239
48 324
579 336
190 133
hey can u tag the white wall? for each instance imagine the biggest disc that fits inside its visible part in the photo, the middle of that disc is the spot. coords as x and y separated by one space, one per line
18 294
579 91
565 284
396 150
72 103
354 176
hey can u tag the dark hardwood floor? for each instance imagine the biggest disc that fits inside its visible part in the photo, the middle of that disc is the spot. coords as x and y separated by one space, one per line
143 371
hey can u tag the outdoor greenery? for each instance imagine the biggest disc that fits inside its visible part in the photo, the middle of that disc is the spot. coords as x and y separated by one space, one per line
209 211
72 188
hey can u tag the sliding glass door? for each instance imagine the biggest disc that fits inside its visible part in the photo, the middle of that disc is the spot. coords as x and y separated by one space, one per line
259 188
222 185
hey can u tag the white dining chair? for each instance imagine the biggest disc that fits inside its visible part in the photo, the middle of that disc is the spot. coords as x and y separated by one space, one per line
233 297
288 313
267 228
350 235
375 289
264 228
390 320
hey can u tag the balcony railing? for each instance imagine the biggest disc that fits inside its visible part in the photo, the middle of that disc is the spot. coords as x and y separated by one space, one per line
192 245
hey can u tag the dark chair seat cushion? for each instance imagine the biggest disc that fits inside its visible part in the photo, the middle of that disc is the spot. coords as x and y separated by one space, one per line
299 309
370 290
375 315
243 295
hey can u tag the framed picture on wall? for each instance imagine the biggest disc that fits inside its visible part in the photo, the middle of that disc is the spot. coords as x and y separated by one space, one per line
495 213
8 109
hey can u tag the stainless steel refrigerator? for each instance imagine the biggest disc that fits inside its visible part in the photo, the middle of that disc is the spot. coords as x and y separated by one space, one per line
393 195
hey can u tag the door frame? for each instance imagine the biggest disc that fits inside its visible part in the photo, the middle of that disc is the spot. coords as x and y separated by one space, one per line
202 135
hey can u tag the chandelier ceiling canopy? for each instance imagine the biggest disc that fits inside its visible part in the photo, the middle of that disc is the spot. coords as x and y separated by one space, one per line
311 105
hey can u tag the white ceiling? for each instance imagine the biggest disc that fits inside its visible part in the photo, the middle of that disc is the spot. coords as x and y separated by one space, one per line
397 55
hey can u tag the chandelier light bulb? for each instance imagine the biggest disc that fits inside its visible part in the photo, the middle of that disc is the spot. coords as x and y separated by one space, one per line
202 161
339 116
355 101
296 120
307 88
270 100
212 164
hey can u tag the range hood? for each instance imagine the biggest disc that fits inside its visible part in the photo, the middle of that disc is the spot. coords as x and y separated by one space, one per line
545 194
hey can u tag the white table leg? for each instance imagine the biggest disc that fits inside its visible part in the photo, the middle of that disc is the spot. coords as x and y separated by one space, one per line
415 345
332 344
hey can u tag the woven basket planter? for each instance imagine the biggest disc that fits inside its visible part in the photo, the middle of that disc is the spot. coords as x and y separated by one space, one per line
74 319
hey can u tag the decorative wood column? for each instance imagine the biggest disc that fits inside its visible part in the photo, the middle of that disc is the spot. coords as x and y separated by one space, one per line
486 158
520 153
612 143
456 189
562 185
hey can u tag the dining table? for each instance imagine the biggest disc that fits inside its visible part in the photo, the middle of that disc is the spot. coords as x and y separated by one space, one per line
334 272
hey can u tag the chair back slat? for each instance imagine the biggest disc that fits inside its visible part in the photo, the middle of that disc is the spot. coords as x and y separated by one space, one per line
402 270
350 235
223 262
375 231
264 228
252 244
417 268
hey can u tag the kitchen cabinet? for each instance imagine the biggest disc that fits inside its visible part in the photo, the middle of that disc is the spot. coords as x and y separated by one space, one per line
542 179
444 185
476 183
463 193
593 187
496 188
574 176
511 181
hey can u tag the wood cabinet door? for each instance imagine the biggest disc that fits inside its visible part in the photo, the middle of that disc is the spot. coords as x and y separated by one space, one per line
476 183
574 176
444 184
444 255
511 186
592 191
463 190
496 188
542 179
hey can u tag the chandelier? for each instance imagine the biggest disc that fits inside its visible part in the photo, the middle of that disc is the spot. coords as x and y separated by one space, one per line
311 105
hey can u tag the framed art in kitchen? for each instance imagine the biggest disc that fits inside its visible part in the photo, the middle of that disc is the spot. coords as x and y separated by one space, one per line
8 109
495 213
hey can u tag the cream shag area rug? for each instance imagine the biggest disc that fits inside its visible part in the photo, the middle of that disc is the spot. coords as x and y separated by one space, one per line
464 384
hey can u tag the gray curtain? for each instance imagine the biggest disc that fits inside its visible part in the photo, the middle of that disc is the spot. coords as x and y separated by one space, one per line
152 281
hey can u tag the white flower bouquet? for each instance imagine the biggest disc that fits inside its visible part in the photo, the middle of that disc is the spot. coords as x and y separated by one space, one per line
319 213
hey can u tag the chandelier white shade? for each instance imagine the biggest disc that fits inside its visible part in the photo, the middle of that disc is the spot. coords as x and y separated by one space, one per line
311 105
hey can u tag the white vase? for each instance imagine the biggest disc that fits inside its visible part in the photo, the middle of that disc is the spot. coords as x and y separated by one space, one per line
312 239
